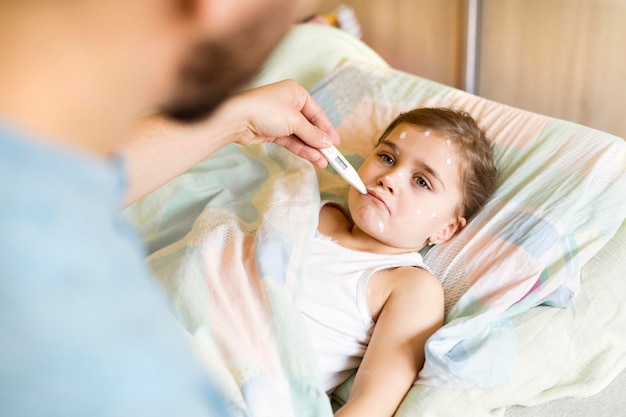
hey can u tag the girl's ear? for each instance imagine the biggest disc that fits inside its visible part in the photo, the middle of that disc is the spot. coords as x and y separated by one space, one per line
448 231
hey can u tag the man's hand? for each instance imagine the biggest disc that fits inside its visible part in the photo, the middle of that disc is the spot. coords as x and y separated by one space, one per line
283 113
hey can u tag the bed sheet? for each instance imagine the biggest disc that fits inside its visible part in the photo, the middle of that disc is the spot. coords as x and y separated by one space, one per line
609 402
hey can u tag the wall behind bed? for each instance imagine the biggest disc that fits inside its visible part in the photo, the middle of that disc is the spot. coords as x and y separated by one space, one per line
562 58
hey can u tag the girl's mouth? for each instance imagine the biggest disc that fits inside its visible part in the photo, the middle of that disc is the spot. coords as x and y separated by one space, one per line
375 196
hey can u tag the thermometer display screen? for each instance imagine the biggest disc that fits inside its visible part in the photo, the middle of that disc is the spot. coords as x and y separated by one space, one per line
341 163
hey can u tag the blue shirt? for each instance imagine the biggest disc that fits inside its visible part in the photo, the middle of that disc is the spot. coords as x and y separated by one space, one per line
84 330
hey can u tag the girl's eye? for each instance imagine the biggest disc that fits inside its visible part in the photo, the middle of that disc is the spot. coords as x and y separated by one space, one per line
422 182
385 158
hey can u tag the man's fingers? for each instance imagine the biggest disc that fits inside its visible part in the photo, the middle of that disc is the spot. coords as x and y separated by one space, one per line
300 148
316 116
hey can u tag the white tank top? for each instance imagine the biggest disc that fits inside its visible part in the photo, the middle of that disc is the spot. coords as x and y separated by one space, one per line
335 304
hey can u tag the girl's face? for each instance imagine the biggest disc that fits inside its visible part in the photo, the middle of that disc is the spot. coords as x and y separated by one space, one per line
414 190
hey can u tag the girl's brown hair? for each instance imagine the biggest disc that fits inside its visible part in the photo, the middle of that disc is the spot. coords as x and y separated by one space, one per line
478 169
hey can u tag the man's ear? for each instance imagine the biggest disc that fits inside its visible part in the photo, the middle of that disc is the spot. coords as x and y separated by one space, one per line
449 230
215 18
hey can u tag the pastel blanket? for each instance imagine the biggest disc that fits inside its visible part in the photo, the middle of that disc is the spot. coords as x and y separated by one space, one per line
229 240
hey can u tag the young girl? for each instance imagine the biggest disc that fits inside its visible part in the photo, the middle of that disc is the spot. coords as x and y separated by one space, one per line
371 303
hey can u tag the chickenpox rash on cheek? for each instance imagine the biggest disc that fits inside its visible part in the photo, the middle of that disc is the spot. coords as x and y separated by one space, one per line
433 215
419 212
403 135
449 161
426 133
381 226
448 142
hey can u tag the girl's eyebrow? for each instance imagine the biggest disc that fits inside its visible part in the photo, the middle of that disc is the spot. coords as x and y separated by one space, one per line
432 172
423 165
392 145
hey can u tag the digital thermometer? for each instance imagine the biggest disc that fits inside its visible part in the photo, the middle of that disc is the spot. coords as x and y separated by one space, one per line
343 167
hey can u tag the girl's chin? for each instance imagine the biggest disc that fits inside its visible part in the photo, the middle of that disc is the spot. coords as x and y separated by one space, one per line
369 217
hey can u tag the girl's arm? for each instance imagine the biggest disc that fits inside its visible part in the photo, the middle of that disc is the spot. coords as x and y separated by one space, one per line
414 309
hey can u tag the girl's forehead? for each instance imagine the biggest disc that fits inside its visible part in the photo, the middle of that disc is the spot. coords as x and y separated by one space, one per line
409 133
405 127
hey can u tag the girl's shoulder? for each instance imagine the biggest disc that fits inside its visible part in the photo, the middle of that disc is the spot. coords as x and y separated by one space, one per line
412 276
408 283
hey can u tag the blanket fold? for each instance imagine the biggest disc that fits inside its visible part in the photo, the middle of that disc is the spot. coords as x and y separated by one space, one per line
235 273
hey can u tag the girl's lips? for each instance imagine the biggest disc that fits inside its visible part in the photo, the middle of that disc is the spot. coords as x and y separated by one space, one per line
372 194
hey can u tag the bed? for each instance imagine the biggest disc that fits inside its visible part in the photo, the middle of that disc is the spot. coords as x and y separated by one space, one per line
535 285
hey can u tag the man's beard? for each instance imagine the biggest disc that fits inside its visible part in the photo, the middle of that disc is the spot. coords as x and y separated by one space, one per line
207 78
213 71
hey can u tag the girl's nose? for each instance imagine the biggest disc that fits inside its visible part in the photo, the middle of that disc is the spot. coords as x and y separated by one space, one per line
388 182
